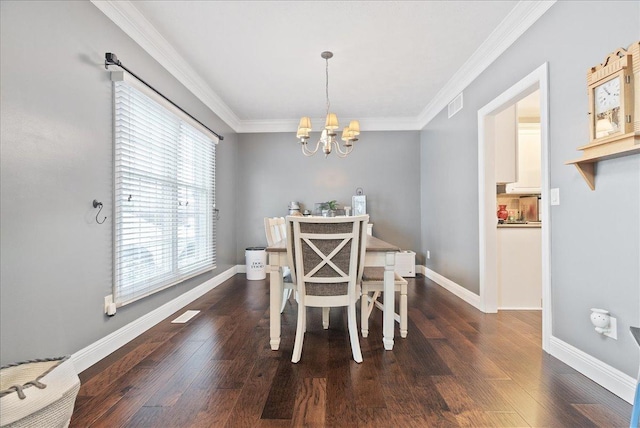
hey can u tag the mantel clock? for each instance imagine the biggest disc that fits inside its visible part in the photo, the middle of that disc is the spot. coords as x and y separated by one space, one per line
611 97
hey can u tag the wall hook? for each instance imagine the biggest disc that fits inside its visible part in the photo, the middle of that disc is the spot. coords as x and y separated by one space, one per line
97 204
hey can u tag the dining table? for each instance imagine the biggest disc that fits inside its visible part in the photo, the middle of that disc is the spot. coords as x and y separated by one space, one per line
378 253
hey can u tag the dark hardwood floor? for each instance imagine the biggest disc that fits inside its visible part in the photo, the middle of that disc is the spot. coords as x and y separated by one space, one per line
457 367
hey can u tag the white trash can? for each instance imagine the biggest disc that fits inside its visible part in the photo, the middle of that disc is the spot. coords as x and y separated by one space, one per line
256 258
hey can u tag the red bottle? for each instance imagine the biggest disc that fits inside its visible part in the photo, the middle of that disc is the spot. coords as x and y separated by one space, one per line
503 214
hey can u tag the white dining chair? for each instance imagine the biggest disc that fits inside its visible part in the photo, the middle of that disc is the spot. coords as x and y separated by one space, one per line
372 285
325 256
275 229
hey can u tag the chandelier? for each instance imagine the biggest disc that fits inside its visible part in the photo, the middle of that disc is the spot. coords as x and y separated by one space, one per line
328 139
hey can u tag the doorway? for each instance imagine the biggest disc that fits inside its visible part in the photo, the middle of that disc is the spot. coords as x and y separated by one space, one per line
535 81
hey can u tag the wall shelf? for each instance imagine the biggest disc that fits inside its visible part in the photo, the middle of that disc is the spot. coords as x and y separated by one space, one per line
608 148
613 97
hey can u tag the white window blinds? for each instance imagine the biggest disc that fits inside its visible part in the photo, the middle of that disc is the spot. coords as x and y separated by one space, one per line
164 228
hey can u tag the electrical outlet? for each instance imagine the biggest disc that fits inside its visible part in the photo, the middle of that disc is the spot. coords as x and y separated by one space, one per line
613 329
108 300
428 254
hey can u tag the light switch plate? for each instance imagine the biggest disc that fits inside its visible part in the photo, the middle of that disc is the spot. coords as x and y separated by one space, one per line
555 196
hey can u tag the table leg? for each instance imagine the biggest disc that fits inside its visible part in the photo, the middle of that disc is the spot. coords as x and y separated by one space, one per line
389 300
275 299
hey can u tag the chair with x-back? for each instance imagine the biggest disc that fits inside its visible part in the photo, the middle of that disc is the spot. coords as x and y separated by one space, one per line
325 256
275 229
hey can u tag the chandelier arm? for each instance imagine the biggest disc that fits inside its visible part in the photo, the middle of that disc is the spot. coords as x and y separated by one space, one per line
340 153
307 152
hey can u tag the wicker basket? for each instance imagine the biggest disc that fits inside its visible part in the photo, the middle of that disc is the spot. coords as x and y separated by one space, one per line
38 393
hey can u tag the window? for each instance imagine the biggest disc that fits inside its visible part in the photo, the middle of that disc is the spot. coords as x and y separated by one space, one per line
164 229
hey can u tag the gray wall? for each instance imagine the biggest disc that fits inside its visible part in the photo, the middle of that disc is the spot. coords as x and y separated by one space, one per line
273 171
595 235
56 157
449 199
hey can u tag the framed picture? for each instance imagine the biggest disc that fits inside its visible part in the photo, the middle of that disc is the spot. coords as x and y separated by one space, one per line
359 204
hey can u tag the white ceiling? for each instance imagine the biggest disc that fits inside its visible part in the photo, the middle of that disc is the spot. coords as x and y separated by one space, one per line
257 64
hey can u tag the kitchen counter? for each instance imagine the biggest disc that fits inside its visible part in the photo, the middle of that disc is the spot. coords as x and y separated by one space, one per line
534 225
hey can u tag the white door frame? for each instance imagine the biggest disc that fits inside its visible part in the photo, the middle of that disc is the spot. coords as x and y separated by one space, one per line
538 79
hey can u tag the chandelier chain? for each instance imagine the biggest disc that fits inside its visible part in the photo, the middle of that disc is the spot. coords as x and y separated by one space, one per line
327 84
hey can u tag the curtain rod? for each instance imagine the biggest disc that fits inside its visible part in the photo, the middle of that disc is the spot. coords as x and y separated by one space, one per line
112 59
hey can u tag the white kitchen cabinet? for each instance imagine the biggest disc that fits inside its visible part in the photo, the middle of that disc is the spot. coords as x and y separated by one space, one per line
519 268
505 135
529 160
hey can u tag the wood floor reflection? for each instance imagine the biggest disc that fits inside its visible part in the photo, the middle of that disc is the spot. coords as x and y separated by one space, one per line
457 367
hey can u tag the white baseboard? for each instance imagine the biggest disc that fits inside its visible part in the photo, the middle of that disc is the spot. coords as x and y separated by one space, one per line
608 377
456 289
93 353
533 308
241 268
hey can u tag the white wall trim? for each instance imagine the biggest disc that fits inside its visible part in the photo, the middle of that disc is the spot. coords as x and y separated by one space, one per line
487 238
523 16
241 268
366 123
456 289
608 377
93 353
603 374
126 16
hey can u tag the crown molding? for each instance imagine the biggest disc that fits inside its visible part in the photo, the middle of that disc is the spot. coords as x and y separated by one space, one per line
269 125
523 15
367 124
126 16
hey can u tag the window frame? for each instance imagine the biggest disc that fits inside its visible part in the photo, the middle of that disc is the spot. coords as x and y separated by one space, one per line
187 137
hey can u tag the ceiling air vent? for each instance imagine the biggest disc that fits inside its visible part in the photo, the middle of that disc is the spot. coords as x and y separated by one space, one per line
455 105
